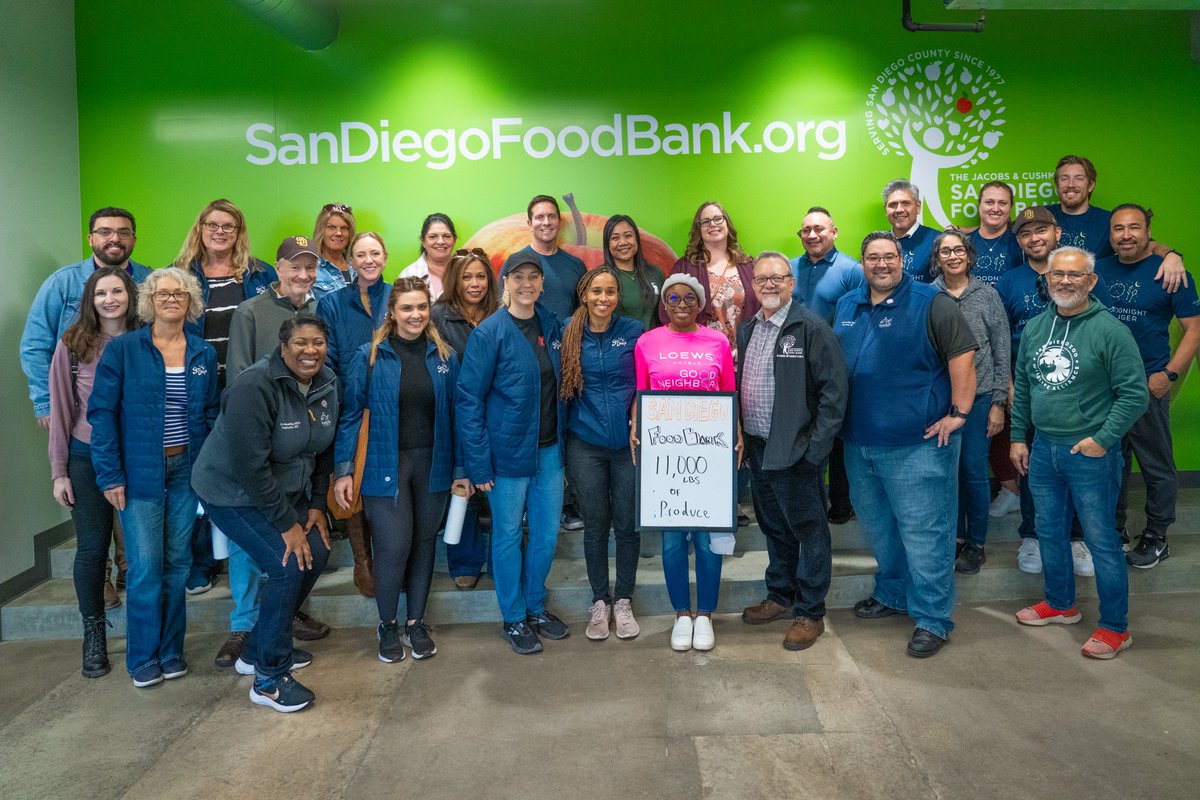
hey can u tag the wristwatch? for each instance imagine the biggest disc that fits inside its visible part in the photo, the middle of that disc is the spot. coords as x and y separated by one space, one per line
1171 376
954 412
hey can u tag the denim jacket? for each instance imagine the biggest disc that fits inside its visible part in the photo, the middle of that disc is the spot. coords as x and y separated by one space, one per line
54 308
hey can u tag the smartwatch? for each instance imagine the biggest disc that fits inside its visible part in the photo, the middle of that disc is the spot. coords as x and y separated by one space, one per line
1171 376
954 412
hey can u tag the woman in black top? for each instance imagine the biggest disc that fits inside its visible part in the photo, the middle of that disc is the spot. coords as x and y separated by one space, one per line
469 296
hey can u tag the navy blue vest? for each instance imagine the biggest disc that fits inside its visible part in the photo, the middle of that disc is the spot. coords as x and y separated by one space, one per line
899 386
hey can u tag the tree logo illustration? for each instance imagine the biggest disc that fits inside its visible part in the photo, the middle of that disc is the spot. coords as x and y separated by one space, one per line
943 109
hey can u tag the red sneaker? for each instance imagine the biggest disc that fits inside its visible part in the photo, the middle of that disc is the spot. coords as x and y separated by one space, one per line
1106 644
1043 614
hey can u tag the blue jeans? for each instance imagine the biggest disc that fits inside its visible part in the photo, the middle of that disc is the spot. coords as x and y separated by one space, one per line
269 645
521 581
470 554
158 544
974 488
245 581
906 499
675 570
1063 484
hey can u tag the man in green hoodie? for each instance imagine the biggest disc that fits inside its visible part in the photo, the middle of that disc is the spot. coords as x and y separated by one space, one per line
1080 384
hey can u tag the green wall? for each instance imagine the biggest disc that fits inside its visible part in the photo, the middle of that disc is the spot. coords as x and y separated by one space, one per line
183 84
39 173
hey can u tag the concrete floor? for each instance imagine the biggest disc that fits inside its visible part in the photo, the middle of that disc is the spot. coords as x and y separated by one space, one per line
1003 712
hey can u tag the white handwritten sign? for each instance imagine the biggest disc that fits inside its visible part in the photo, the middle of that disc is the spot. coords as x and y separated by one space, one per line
686 479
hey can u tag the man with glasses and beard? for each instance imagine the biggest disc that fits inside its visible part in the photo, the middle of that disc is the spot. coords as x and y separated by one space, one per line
1080 386
112 233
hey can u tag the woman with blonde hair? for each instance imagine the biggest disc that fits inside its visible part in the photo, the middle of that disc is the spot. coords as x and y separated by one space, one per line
333 232
153 404
217 251
411 459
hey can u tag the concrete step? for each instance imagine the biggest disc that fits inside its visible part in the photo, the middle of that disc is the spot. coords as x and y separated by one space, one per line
49 611
749 539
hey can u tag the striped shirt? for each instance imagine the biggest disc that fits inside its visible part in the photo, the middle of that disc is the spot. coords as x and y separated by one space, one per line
224 294
758 373
175 421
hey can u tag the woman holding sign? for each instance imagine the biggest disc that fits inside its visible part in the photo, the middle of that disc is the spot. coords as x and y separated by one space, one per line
598 384
685 356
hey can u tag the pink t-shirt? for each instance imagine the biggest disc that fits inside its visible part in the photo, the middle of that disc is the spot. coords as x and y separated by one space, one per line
699 361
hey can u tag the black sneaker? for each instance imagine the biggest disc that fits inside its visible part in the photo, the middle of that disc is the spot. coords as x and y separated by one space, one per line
970 558
1150 550
231 651
391 649
548 625
521 638
308 629
570 521
416 636
300 660
284 694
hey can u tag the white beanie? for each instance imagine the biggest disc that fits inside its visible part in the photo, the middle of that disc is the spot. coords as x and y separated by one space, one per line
686 280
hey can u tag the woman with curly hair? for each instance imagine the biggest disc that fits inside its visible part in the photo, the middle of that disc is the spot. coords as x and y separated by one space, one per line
598 383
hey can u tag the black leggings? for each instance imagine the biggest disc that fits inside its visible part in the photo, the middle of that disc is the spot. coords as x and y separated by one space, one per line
93 517
404 536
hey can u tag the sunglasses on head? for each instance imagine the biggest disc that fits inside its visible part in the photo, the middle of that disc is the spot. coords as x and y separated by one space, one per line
474 251
338 207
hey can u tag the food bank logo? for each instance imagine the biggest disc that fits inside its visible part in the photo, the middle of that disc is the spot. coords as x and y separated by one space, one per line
940 108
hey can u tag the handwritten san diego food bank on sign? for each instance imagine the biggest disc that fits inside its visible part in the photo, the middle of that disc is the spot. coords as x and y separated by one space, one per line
686 479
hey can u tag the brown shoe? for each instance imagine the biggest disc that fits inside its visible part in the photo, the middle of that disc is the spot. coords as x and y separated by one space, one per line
231 651
766 611
803 633
120 584
359 536
466 583
111 599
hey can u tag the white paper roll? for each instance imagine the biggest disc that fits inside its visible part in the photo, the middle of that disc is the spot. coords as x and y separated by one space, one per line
455 516
721 543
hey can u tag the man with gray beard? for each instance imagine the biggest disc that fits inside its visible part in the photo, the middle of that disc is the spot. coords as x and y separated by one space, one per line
1080 385
792 390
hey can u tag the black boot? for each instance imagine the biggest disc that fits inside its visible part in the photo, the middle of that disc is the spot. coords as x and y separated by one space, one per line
95 647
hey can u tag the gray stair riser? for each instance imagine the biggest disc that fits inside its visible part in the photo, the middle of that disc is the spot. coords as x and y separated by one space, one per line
206 614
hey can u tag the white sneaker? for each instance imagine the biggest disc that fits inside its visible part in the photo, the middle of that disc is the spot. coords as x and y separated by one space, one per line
597 629
702 634
681 634
627 627
1005 503
1081 559
1029 557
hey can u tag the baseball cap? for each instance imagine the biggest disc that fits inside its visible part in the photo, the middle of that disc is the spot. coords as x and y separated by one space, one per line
293 246
521 258
1032 215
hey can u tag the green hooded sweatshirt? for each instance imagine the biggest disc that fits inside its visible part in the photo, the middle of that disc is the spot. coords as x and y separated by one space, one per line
1079 376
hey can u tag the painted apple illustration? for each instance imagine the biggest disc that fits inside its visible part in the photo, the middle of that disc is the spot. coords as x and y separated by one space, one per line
964 105
582 236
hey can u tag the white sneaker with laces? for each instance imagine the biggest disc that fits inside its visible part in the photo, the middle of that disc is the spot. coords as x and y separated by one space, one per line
597 629
702 634
1005 503
1029 557
1081 559
681 634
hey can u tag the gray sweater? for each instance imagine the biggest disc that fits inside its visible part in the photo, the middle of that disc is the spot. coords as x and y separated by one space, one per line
254 328
985 314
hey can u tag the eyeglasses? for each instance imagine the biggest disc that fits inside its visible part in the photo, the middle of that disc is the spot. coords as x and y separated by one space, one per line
946 252
689 300
888 258
104 233
163 296
338 207
712 221
1068 277
774 280
213 227
474 251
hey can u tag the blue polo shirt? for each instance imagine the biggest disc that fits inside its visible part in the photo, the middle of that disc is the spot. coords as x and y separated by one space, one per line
1145 307
994 257
917 248
1089 230
820 284
1019 291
